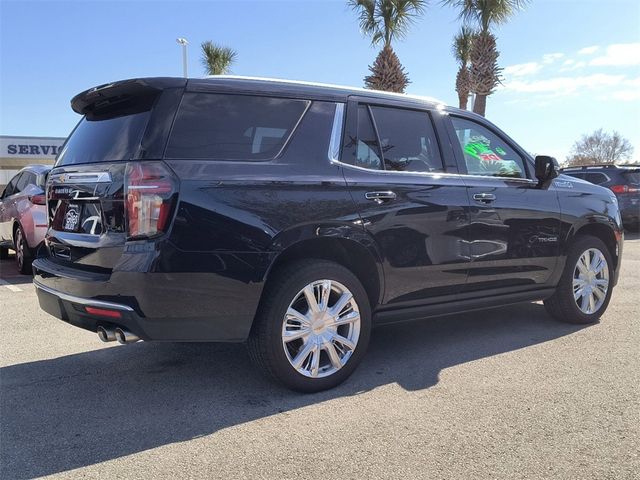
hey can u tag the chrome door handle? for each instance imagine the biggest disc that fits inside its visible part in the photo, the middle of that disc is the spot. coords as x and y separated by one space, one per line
484 197
380 197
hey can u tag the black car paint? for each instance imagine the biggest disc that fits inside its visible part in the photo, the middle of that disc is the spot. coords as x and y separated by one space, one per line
432 250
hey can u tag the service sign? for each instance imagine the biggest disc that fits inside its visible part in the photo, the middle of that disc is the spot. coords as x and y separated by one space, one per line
30 147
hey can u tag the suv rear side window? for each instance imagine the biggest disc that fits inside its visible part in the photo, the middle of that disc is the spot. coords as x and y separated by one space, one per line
233 127
485 153
407 139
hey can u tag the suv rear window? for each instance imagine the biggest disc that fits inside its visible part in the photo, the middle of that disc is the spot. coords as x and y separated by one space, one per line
104 138
233 127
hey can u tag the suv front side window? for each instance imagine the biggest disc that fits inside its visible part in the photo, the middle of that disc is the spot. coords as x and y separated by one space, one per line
485 153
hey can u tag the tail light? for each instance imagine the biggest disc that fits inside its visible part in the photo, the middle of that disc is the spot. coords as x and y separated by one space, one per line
624 189
40 199
150 195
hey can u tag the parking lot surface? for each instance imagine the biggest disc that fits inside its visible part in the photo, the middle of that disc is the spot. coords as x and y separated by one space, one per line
504 393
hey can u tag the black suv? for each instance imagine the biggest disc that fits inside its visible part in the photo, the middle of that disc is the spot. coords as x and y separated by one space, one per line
623 180
295 217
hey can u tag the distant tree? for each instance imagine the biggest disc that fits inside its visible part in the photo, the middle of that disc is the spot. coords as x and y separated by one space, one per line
461 50
217 60
384 21
600 147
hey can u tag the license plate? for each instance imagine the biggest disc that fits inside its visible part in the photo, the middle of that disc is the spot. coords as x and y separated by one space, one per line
72 218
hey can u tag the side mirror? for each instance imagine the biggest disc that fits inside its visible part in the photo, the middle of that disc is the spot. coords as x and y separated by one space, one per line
547 169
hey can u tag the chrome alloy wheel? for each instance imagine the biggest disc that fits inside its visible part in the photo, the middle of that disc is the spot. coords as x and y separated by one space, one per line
590 281
321 328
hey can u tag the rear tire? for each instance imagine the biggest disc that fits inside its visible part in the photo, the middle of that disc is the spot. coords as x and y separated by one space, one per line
309 308
23 252
585 287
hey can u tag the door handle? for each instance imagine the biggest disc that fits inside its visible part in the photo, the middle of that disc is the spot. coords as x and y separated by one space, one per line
380 197
484 197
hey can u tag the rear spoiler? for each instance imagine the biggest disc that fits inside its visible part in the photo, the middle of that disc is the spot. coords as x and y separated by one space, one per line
102 95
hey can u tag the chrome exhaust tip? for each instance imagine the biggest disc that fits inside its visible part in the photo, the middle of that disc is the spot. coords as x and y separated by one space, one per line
106 335
124 336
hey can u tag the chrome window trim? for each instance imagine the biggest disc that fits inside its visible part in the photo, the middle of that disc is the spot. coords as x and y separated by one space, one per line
433 174
80 300
336 133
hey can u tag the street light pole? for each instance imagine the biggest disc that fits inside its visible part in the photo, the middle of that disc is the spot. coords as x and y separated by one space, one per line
183 41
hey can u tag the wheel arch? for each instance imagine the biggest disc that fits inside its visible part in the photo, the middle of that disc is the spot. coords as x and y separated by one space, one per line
362 260
604 232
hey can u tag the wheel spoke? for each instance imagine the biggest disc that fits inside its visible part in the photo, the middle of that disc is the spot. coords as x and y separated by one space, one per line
584 303
600 293
315 361
350 317
601 282
333 355
325 292
342 302
582 264
579 293
344 341
310 296
302 355
290 335
294 314
592 302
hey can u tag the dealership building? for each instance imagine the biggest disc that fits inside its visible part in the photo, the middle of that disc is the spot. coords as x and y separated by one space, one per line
18 152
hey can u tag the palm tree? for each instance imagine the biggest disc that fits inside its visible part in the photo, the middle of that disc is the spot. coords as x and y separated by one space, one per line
217 60
461 49
384 21
485 72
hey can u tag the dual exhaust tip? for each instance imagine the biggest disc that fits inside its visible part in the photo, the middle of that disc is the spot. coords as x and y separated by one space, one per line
123 337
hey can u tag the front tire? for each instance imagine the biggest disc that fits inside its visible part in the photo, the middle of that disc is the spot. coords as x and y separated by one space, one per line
585 287
313 326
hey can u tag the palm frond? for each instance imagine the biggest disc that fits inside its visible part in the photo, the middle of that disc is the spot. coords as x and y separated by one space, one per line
216 59
462 43
486 13
385 20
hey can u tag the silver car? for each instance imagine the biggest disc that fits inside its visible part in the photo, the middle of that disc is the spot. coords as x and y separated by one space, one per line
23 215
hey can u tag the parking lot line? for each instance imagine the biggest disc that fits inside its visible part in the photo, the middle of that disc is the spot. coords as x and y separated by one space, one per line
11 287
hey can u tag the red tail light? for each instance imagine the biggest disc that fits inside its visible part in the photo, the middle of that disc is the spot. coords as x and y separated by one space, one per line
38 199
103 312
150 193
624 189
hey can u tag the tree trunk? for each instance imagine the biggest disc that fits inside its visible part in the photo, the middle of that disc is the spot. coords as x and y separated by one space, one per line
480 104
463 100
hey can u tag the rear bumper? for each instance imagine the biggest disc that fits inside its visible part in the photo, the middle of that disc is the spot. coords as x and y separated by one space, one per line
72 309
187 307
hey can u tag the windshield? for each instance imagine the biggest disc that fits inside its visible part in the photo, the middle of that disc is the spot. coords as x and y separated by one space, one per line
104 139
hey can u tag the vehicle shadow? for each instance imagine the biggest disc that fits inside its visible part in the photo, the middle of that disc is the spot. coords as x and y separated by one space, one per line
9 272
78 410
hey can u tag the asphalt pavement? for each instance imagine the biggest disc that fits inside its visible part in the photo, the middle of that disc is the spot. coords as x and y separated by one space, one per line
502 394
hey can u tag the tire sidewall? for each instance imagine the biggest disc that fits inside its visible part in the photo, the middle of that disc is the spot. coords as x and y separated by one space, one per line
274 318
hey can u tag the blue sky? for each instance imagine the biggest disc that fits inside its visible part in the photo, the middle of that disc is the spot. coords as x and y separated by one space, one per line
570 66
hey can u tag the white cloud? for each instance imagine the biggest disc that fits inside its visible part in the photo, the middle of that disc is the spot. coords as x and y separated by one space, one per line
621 54
522 69
625 95
570 65
567 85
552 57
588 50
